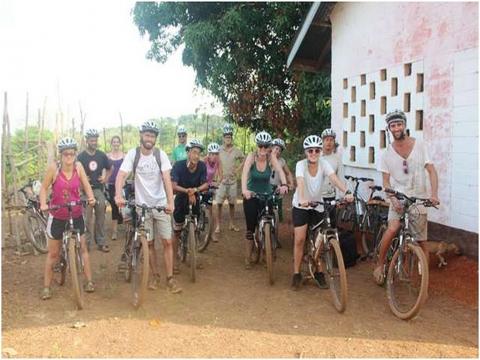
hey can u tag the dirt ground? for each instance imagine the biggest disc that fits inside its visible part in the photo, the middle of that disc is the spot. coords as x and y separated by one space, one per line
232 312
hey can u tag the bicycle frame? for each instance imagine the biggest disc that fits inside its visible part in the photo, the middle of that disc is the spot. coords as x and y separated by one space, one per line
266 216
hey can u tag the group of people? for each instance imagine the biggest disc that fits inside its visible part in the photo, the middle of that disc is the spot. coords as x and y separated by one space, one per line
319 177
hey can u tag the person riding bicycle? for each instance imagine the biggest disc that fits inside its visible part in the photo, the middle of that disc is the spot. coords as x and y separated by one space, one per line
278 146
335 161
311 173
214 174
153 188
230 156
66 177
98 169
256 175
189 178
180 153
403 168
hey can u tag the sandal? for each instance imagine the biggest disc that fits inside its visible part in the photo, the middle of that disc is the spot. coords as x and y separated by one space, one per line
233 228
104 248
89 287
378 275
46 293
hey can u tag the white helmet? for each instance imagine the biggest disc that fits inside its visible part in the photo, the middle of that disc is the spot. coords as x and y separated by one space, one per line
328 132
181 130
150 126
312 141
194 143
91 133
227 129
213 148
263 138
279 142
66 143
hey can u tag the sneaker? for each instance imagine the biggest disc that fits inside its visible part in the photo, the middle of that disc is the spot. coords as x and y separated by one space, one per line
89 287
320 280
172 286
296 281
46 293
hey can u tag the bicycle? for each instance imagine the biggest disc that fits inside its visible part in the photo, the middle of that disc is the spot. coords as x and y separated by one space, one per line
205 228
366 216
34 220
187 246
265 239
406 267
136 251
322 250
71 255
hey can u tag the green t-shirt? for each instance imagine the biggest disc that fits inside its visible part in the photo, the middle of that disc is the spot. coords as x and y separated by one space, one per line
179 153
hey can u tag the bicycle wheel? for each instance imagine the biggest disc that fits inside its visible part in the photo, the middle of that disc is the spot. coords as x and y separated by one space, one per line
61 269
407 281
267 235
192 251
336 274
75 264
35 231
128 251
276 239
140 269
378 240
255 258
204 229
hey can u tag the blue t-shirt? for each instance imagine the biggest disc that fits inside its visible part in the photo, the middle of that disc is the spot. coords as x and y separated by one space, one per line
187 179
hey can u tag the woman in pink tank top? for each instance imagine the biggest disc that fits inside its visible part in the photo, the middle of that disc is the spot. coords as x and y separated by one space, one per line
214 173
65 178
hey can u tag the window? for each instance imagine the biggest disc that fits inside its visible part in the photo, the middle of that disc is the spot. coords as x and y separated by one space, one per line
362 139
419 120
383 74
406 102
345 110
383 105
394 87
345 139
372 90
371 155
363 108
419 83
407 69
371 123
354 94
353 123
352 153
345 84
363 79
383 139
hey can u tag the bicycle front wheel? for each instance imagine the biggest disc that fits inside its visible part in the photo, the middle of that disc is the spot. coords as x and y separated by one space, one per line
192 251
407 281
36 231
267 234
204 229
140 269
336 275
76 269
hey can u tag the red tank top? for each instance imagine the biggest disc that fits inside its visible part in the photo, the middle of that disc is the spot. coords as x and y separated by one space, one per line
63 191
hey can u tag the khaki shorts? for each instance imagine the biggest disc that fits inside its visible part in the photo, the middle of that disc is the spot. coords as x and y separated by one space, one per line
158 224
227 191
418 221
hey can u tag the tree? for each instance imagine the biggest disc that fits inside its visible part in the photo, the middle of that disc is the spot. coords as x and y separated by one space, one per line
239 53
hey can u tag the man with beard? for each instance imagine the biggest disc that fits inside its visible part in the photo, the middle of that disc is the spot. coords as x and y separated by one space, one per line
403 168
189 178
98 169
153 187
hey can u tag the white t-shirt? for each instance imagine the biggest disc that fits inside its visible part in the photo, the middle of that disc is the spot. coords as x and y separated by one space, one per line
328 189
414 183
275 178
313 184
149 187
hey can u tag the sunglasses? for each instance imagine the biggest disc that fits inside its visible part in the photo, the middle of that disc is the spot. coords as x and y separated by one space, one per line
263 146
405 167
313 151
69 154
182 136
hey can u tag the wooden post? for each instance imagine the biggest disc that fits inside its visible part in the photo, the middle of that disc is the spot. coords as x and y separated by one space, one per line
4 164
26 126
104 141
121 131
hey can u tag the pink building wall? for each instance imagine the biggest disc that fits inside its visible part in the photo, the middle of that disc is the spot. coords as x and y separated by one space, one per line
367 37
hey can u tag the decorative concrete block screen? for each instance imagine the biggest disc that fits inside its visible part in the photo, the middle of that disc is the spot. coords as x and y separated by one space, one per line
367 98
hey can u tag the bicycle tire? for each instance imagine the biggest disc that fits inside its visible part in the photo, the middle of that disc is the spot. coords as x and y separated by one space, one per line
140 270
267 233
63 270
339 291
205 235
129 234
182 246
378 241
406 314
74 260
255 257
276 227
192 251
36 231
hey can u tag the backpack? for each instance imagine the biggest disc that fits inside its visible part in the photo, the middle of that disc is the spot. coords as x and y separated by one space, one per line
156 154
348 246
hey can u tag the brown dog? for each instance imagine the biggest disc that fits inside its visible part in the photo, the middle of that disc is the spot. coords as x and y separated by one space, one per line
440 248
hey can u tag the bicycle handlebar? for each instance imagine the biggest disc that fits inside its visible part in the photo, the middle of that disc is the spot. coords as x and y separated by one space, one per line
68 205
349 177
132 204
331 203
411 199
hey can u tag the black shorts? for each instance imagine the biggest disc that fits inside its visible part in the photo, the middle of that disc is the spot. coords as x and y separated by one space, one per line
56 227
302 217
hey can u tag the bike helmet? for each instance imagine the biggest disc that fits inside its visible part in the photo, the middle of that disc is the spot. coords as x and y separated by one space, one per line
149 126
227 129
312 141
213 148
263 138
194 143
91 133
67 143
396 115
279 142
328 132
181 130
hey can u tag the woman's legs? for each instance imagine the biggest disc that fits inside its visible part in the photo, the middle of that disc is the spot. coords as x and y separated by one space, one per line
54 247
